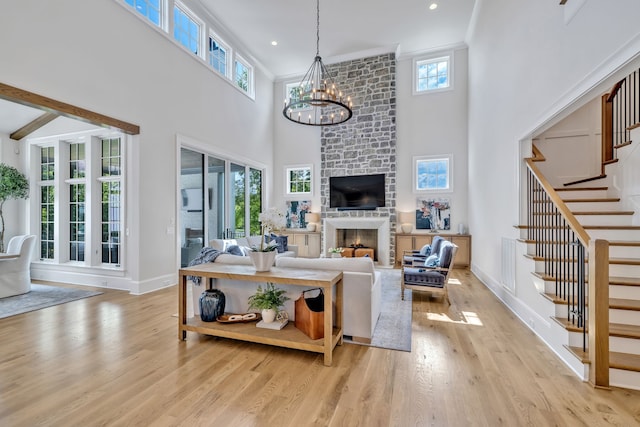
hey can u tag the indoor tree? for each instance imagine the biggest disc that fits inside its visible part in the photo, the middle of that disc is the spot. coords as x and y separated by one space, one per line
13 185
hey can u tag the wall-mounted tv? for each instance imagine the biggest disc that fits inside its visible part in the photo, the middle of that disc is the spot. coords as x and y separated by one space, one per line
357 192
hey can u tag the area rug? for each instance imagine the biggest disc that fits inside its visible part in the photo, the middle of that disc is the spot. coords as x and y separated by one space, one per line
393 330
41 296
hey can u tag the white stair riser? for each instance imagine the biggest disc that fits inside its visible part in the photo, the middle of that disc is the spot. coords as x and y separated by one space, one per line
625 317
623 270
575 339
592 206
607 234
624 379
605 219
624 252
624 345
624 292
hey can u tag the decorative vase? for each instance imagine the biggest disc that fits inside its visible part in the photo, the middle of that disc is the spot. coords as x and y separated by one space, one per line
262 261
268 315
212 303
336 255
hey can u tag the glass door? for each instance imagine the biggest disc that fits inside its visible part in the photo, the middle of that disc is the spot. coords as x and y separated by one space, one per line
216 185
237 196
191 205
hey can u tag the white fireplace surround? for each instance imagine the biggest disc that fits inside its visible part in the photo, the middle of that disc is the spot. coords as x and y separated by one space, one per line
363 223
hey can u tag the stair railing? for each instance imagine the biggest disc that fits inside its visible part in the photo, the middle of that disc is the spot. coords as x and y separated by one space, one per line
620 114
565 248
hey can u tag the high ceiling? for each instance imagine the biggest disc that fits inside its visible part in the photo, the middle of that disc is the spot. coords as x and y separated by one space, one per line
347 28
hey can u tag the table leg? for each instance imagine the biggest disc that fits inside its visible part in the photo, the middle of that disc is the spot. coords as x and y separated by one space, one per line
339 309
182 306
328 327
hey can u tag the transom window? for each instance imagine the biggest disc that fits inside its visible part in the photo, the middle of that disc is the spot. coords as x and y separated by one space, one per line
433 74
218 55
150 9
433 173
244 75
186 28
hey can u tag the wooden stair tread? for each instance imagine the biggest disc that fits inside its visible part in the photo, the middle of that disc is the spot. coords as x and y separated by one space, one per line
633 126
581 189
565 323
614 303
591 200
631 243
624 361
611 227
624 281
604 213
616 261
579 353
624 331
623 243
580 181
624 144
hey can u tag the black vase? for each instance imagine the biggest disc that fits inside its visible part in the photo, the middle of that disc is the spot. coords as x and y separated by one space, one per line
211 305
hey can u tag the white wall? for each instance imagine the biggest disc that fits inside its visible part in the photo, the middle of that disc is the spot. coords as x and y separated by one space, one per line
13 221
572 146
525 66
99 56
433 124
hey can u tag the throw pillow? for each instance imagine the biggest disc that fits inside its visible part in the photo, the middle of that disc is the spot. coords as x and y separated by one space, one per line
235 250
426 250
282 241
432 261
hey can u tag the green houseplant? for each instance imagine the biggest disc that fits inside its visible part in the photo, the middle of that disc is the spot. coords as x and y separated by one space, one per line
13 185
268 299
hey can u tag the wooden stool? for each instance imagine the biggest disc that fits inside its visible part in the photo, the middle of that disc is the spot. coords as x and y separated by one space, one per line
347 252
364 252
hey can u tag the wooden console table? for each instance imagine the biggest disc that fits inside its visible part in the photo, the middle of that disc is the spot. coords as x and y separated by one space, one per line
289 336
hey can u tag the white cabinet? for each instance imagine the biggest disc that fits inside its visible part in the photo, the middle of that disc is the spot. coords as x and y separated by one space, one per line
308 242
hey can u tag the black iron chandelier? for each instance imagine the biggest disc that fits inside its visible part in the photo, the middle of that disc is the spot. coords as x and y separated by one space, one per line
317 101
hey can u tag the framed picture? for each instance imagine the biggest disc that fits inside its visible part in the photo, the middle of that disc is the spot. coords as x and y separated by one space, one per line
296 213
298 180
433 214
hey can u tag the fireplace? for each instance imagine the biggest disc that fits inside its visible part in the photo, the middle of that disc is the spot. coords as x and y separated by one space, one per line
371 231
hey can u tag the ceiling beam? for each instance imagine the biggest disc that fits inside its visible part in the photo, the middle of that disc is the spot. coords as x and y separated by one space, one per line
33 126
563 2
49 105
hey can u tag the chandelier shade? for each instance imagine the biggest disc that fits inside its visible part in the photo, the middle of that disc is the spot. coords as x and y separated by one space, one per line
317 101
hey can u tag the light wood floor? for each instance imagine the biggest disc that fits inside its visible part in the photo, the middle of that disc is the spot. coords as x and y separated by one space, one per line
115 359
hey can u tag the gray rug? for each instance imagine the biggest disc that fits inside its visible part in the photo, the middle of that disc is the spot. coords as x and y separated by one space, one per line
41 296
393 330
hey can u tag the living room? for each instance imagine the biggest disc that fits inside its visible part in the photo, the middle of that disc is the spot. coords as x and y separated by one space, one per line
504 90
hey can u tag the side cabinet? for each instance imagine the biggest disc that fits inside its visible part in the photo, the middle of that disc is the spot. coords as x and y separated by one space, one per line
407 242
308 242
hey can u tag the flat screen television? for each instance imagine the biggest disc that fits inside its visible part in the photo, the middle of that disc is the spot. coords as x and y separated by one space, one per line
357 192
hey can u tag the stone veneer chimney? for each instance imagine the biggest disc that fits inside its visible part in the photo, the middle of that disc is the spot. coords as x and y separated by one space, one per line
366 144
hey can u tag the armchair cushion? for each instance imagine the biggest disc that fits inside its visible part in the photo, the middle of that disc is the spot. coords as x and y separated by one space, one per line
424 277
425 250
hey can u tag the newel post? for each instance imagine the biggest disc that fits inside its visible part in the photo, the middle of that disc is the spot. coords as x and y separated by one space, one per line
599 313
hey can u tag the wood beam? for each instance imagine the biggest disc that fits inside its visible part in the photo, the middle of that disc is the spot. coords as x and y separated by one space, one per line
562 2
33 126
34 100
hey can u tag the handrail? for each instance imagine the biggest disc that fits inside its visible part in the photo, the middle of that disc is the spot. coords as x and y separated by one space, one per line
581 233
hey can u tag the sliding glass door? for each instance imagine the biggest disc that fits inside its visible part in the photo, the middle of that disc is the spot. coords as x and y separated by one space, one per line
221 201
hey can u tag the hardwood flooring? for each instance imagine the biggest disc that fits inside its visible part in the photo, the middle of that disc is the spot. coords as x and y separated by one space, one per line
115 360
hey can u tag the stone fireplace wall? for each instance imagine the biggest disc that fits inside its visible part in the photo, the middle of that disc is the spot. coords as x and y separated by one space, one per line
366 144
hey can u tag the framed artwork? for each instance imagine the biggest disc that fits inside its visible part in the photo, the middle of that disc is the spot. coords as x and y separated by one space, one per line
296 212
433 214
298 180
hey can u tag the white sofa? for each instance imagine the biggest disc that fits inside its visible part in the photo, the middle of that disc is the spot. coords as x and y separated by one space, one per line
247 242
361 295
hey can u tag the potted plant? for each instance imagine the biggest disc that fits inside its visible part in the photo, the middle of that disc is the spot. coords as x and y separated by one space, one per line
263 256
268 299
336 252
13 185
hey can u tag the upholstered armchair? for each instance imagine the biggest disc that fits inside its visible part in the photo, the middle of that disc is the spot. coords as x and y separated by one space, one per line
420 255
432 273
15 277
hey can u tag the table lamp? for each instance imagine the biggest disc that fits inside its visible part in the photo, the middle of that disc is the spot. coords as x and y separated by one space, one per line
406 221
312 218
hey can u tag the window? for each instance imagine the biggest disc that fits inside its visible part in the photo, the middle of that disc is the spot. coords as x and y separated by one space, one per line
244 75
150 9
219 55
81 193
187 28
433 173
293 92
298 180
433 74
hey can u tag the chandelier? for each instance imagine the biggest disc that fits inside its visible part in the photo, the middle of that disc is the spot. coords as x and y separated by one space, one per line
317 101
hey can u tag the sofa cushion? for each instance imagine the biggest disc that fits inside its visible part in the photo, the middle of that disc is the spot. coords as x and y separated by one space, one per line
237 250
281 241
360 264
432 261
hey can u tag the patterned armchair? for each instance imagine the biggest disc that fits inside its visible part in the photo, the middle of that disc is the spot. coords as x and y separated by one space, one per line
432 273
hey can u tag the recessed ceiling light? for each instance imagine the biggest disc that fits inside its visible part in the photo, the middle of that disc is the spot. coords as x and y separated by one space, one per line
433 6
274 43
